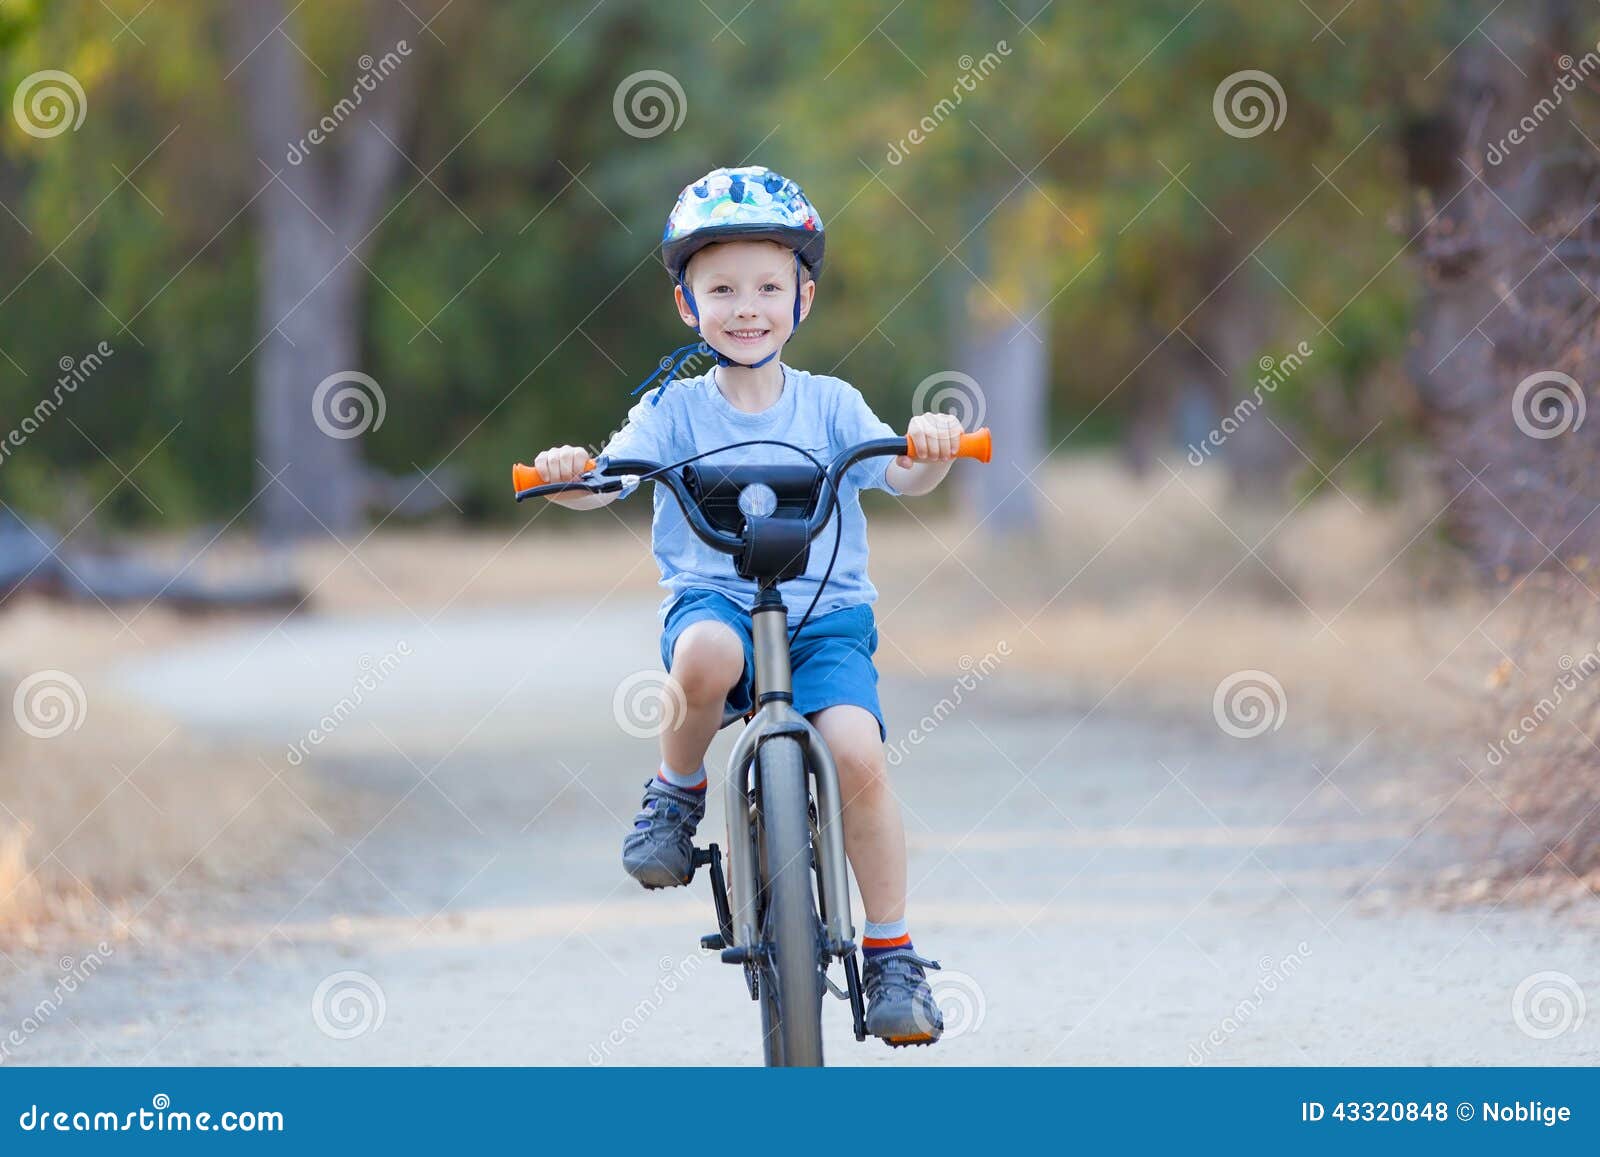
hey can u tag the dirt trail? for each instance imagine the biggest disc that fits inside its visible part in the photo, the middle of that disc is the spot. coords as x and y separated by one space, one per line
1102 888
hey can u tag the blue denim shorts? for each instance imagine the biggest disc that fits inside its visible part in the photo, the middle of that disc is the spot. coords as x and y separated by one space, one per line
830 660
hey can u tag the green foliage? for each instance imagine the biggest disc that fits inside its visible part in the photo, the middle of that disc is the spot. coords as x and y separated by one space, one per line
529 251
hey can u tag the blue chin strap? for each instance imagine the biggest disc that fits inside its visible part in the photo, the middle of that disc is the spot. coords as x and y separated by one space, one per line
667 369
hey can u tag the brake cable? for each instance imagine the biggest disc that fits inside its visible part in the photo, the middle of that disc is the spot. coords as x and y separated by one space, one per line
837 512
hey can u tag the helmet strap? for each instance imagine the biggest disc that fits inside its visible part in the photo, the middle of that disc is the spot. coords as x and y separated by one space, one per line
667 370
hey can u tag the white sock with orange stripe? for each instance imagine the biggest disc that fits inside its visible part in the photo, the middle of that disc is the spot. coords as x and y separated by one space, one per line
696 781
877 939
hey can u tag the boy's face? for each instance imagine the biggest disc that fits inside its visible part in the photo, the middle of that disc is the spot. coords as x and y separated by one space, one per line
745 291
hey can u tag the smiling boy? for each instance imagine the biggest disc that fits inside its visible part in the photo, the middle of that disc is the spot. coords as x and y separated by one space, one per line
745 248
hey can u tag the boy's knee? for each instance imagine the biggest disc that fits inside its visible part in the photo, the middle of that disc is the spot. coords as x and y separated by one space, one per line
861 762
707 660
853 739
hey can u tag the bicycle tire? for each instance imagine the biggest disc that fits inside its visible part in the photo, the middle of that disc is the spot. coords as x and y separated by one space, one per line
791 975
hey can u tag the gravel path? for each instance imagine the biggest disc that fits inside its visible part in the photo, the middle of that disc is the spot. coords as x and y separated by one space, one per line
1103 888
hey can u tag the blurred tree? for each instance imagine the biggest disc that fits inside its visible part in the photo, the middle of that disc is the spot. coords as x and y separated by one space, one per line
318 217
1077 202
1506 161
1508 169
1071 225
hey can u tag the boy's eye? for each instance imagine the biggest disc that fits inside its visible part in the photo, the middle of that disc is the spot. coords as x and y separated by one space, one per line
771 285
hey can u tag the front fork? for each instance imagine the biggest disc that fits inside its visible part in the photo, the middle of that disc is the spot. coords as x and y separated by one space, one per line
777 718
773 720
736 914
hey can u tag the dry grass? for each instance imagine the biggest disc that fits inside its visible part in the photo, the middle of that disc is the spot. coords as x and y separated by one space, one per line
96 823
101 821
1158 588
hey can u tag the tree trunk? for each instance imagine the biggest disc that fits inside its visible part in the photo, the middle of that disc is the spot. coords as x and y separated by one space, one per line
1510 295
1011 367
315 218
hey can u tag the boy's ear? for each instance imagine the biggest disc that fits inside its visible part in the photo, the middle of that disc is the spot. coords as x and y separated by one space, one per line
808 291
684 311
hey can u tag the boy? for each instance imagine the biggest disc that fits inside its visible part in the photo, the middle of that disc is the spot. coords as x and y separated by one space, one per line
745 248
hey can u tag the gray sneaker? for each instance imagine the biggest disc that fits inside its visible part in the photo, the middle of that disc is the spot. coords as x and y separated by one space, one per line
659 851
900 1006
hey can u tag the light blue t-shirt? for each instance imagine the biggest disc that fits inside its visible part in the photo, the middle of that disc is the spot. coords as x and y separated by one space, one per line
822 415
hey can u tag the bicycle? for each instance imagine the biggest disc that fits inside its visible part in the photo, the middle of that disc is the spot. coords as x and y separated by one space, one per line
784 821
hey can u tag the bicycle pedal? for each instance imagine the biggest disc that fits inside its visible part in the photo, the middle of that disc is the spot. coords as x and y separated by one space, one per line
900 1042
659 887
713 942
744 954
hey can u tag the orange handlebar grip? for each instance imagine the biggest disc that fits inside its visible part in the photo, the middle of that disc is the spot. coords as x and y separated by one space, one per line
973 445
526 477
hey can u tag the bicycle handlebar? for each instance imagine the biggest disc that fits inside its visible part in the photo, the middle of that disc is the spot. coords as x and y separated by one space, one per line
528 483
974 445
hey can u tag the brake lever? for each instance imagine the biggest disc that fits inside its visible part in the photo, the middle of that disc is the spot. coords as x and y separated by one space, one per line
584 484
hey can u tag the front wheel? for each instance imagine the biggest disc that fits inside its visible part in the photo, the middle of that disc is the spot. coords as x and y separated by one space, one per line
791 974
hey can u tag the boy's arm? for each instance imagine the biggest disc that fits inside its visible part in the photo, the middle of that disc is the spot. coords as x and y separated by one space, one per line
935 437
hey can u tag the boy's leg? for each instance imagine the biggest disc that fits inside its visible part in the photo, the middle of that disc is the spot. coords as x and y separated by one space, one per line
874 835
707 660
900 1005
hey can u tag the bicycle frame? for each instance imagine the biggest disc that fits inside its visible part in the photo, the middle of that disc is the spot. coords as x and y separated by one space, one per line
776 716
